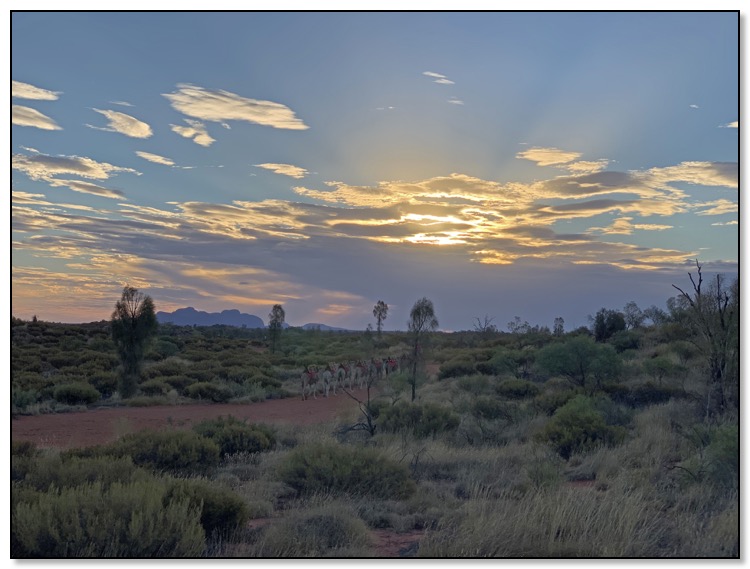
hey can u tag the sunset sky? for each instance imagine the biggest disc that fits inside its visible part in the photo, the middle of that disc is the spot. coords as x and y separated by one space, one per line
502 164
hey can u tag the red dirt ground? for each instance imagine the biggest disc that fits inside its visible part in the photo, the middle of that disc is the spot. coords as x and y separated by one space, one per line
98 426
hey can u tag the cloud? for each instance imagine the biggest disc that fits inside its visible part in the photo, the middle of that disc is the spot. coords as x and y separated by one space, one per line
285 169
623 226
455 101
733 124
694 107
548 156
586 166
121 103
718 207
21 90
699 173
439 78
25 116
155 158
88 188
733 222
196 132
44 167
221 106
124 124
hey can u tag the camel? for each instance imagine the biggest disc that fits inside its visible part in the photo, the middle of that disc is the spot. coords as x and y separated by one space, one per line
309 381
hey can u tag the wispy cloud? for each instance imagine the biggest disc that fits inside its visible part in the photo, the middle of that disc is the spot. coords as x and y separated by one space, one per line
455 101
438 78
196 132
694 107
285 169
718 207
21 90
44 167
26 116
124 124
733 124
733 222
624 226
155 158
221 106
121 103
548 156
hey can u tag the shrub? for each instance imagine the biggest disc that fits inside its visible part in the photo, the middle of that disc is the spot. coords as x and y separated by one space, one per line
723 454
423 420
625 340
172 451
343 470
121 520
76 393
233 435
323 531
456 368
650 394
68 471
154 387
21 398
490 408
475 384
105 382
577 427
221 510
550 401
210 391
517 389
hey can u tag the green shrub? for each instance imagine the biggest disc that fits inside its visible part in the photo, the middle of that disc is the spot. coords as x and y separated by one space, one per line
491 408
209 391
517 389
475 384
171 451
456 368
178 382
20 398
154 387
317 533
625 340
651 394
233 435
63 471
121 520
338 469
221 510
550 401
105 382
76 393
577 427
723 454
423 420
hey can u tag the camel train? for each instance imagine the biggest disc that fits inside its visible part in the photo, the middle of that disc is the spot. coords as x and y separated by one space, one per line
340 375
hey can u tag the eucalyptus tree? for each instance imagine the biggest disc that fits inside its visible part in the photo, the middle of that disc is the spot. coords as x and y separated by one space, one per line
422 320
133 325
275 325
380 312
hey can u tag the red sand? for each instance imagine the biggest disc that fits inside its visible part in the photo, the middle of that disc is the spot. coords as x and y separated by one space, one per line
98 426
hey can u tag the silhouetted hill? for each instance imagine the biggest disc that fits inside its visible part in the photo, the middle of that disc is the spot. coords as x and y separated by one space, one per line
191 317
324 327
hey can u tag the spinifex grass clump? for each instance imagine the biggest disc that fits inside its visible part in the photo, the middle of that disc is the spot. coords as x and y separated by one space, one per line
233 435
329 467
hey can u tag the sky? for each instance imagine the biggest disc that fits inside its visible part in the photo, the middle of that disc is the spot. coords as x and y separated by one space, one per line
501 164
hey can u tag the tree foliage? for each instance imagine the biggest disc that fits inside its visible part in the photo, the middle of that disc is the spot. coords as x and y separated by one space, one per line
380 312
581 360
133 325
422 320
606 323
275 325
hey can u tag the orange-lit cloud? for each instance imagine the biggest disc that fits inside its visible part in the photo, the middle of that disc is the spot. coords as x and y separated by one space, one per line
155 158
20 90
548 156
196 131
124 124
220 106
285 169
26 116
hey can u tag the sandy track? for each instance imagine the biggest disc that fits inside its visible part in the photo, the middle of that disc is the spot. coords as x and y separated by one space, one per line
99 426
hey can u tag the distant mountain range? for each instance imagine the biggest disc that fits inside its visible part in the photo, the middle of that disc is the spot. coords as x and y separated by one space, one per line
191 317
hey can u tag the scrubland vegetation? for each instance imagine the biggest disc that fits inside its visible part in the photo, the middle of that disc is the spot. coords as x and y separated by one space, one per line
590 443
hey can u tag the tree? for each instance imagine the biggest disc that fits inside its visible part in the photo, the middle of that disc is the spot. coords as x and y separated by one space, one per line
275 325
581 360
380 312
421 321
713 315
485 327
559 326
634 316
606 323
133 325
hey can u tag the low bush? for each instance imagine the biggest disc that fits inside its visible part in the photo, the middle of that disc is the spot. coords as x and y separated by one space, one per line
209 391
317 533
323 468
94 520
423 420
517 389
550 401
170 451
76 393
154 387
491 408
233 435
456 368
475 384
577 427
69 471
221 510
